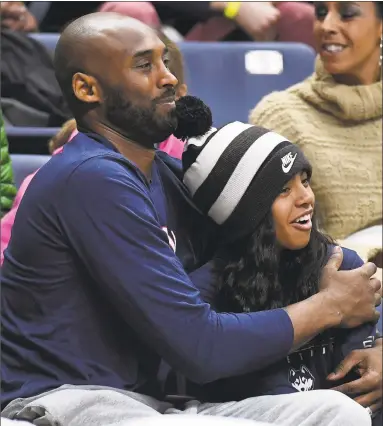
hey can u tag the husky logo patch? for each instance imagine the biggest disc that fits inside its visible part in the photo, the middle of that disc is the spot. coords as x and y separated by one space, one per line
302 380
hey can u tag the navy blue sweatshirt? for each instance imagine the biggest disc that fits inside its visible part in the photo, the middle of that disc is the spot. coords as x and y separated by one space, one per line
94 294
303 370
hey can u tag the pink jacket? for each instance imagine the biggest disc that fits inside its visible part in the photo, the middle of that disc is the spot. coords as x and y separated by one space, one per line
171 146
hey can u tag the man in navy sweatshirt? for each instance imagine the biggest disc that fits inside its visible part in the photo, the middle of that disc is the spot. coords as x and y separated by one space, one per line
93 294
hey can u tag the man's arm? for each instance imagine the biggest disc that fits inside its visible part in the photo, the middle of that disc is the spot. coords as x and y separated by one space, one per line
308 317
363 336
112 225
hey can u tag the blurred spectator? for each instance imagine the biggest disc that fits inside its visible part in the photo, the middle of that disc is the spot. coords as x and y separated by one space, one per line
144 11
172 145
260 21
67 132
30 95
199 21
336 116
207 21
15 16
7 188
55 15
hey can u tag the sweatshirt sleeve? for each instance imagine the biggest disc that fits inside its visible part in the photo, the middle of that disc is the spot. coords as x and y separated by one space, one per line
109 220
363 336
205 280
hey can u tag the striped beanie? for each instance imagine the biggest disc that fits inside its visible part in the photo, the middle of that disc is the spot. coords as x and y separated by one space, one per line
235 173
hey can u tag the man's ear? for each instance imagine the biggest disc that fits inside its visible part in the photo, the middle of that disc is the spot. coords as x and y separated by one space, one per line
86 88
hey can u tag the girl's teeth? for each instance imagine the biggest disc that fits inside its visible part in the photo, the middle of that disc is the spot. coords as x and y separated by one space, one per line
303 218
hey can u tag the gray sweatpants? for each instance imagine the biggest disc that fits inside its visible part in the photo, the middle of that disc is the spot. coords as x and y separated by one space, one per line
103 406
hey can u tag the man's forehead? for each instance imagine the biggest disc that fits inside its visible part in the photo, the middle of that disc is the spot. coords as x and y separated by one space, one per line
132 42
142 43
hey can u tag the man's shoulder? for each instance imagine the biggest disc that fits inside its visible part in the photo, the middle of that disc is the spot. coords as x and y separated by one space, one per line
173 164
351 259
85 157
83 167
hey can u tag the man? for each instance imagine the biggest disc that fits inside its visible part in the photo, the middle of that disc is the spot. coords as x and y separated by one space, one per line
93 295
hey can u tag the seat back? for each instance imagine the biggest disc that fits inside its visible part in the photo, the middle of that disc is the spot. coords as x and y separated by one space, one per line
49 40
30 140
231 78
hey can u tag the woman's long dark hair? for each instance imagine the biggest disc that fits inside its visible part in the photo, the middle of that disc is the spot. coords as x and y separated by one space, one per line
255 274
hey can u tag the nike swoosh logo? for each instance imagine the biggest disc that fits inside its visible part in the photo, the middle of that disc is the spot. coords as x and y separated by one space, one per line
288 167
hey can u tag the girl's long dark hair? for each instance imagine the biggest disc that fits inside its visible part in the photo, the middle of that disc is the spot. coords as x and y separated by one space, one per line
255 274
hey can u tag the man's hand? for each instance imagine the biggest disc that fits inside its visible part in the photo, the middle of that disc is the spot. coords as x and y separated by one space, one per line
352 295
15 16
368 364
346 299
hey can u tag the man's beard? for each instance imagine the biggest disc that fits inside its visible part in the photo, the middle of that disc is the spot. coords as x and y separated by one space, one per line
145 126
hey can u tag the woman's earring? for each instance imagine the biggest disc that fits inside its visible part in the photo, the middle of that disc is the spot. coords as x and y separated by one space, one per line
381 51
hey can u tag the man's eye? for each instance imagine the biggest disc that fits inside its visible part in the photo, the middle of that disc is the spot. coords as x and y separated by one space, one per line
146 65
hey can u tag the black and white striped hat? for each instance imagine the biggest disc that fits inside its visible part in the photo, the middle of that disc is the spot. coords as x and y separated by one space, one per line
234 174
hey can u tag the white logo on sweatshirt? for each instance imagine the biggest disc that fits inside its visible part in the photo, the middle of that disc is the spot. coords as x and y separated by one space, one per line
171 238
369 342
288 161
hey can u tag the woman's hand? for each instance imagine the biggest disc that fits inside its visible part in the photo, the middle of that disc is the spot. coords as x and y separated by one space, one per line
368 364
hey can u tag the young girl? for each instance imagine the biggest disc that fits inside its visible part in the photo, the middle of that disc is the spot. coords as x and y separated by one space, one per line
255 185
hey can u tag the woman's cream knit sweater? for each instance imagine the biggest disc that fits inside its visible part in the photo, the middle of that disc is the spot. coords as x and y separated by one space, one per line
339 128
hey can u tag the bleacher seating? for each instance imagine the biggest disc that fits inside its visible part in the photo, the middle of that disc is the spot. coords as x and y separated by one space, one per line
29 140
24 165
232 77
49 40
